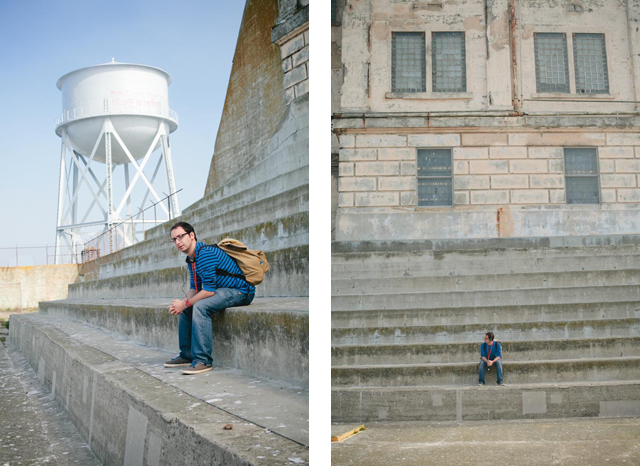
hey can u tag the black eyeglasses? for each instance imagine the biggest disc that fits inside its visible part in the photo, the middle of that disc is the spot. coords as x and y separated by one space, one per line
179 237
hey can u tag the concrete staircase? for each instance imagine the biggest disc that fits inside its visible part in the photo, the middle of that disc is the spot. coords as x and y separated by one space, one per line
408 320
101 351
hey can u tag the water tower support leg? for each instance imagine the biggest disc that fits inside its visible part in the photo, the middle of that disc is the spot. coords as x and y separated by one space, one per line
61 196
108 162
168 166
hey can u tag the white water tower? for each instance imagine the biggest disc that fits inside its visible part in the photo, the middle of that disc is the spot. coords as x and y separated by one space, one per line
114 115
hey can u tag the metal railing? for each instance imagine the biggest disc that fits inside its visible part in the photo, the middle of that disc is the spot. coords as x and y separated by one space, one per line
126 232
17 256
122 234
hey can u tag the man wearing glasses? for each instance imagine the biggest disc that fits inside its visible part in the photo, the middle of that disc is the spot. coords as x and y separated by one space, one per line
490 356
216 284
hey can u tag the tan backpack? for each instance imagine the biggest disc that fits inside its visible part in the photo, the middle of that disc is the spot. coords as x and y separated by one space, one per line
253 263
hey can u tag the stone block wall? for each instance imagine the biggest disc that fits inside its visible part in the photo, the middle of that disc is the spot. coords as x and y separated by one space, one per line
519 168
295 63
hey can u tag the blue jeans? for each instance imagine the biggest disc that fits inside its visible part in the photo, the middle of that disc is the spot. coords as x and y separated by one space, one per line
483 366
195 330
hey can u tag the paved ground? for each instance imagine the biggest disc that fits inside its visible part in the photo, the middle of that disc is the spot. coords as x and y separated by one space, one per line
566 442
34 430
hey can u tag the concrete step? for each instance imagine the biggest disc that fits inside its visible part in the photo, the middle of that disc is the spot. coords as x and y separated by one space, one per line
132 410
33 427
288 276
429 264
478 315
508 331
269 338
467 403
515 372
591 348
281 233
486 282
277 191
481 298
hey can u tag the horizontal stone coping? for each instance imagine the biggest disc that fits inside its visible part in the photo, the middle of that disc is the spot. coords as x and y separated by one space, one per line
232 393
485 243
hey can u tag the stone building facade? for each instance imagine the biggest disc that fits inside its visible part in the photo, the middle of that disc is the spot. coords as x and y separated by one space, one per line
485 118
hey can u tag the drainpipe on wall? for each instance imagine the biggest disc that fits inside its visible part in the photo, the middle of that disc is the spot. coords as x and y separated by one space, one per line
515 91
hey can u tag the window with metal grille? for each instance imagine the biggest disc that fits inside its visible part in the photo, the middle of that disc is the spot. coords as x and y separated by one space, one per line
334 13
408 67
590 58
435 177
449 72
552 68
581 175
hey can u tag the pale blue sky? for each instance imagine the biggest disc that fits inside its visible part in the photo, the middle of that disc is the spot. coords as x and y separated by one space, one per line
193 40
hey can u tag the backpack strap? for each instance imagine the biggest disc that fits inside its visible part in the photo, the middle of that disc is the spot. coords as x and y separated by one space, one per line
226 273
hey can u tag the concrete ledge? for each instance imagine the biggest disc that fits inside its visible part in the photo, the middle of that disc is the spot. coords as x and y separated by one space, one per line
464 352
515 372
269 338
534 401
128 417
470 244
525 312
288 276
474 333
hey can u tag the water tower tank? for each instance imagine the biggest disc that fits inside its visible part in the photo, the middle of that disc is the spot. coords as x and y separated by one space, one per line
134 97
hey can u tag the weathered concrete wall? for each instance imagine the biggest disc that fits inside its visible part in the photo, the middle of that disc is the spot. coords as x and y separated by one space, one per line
24 287
506 140
255 102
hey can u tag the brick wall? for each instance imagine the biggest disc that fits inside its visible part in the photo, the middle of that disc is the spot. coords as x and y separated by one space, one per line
295 63
525 168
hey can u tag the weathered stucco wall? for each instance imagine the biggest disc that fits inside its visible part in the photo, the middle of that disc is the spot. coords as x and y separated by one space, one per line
24 287
507 141
255 102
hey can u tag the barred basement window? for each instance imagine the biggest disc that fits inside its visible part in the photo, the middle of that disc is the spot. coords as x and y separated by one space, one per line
408 67
334 12
581 175
552 69
449 72
435 177
590 57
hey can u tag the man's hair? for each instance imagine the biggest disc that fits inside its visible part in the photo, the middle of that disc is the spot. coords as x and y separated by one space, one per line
186 227
489 334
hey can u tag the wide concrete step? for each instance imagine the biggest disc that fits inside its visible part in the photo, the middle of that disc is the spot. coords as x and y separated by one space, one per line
399 265
517 372
271 236
467 403
486 282
482 298
277 191
508 331
269 338
478 315
133 410
591 348
288 276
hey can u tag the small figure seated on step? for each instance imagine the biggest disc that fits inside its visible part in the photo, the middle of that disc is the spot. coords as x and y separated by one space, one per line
216 284
490 356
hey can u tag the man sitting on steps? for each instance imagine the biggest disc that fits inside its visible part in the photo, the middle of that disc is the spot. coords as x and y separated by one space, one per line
216 284
490 356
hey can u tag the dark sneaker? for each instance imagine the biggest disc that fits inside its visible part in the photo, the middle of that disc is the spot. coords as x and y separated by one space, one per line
502 384
197 368
177 362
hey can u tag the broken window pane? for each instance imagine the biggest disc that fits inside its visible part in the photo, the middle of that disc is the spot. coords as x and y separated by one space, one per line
449 71
552 69
590 59
408 67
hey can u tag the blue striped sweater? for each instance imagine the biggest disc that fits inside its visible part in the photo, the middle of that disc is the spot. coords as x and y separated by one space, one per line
209 261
